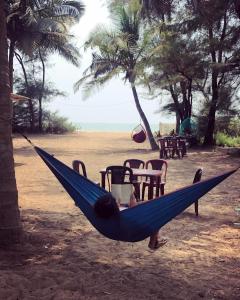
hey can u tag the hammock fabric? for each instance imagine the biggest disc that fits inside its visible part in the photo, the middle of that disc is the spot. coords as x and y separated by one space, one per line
133 224
139 134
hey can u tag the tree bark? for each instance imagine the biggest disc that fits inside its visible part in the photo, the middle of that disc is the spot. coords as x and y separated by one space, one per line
176 102
30 104
178 122
41 92
151 138
10 60
209 134
10 226
209 138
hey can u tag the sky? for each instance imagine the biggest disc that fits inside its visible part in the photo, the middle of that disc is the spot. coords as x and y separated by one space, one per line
112 104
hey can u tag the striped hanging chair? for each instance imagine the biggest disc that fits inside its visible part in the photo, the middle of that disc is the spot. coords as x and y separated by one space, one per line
139 134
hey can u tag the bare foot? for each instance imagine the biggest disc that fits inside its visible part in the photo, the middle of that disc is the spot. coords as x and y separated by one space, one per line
157 244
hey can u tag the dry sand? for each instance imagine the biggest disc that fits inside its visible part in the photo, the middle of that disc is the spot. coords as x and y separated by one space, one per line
64 257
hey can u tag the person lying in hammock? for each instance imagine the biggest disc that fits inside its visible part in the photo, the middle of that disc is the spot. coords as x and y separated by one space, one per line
107 206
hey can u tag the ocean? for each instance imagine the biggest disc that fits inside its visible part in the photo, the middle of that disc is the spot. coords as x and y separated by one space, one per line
111 127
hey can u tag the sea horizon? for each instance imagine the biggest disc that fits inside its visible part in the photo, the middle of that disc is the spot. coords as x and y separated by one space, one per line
164 128
110 127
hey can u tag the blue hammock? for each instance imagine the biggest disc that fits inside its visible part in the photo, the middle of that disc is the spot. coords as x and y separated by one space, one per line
133 224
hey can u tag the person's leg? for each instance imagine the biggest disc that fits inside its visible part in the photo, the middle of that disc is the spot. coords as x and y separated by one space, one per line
154 242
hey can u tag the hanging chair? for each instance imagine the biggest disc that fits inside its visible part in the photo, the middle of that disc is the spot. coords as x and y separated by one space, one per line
188 126
139 134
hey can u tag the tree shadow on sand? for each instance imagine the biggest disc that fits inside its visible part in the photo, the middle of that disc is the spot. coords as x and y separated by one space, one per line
83 262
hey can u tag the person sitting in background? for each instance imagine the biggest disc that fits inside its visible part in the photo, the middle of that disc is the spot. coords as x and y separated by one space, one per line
107 206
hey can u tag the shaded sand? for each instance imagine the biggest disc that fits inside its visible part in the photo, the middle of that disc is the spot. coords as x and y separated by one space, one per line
64 257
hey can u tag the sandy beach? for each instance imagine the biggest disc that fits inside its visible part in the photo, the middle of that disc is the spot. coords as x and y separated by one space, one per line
64 257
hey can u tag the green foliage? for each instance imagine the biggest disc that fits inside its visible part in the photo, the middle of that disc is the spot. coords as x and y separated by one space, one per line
44 24
53 123
222 139
234 127
21 113
122 50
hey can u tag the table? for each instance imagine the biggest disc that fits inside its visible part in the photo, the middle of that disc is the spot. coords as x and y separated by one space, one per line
171 145
152 174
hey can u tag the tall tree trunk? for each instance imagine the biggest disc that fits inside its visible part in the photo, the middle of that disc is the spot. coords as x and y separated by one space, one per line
30 104
10 226
41 92
178 121
10 62
208 139
151 138
176 102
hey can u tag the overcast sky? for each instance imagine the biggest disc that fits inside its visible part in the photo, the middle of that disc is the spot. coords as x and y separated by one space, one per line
112 104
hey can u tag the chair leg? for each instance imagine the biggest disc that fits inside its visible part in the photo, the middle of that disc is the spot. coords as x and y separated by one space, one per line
137 191
143 192
196 208
162 189
179 154
161 154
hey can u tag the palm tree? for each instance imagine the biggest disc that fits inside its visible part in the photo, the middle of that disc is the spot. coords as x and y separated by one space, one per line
40 26
33 24
10 228
124 50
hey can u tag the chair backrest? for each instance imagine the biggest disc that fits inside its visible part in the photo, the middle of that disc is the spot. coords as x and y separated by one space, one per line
158 164
77 164
162 143
171 142
119 175
198 175
134 163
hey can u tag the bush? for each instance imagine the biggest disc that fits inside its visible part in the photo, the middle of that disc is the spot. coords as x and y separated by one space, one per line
228 126
234 127
53 123
222 139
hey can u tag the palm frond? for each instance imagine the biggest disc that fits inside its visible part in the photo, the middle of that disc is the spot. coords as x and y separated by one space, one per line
50 25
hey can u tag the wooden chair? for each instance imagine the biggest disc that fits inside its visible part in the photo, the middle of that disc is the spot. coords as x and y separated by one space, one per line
174 147
155 164
182 145
79 167
119 175
163 149
120 183
136 164
197 178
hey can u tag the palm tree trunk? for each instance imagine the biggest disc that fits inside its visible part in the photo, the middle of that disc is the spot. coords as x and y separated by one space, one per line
10 227
152 141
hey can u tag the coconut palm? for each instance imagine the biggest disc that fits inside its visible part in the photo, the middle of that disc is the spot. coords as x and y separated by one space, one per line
40 27
10 228
124 50
33 24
